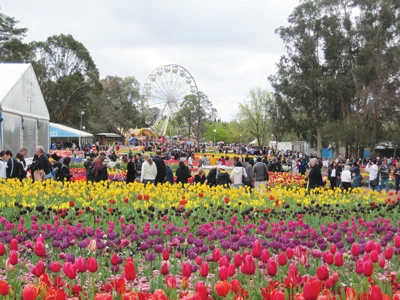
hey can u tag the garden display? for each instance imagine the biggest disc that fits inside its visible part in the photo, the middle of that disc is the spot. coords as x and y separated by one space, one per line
115 241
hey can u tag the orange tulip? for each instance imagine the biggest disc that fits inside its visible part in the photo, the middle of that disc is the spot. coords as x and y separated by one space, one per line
222 288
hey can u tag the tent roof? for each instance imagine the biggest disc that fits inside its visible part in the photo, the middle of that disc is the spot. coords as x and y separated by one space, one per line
20 93
9 75
110 135
58 130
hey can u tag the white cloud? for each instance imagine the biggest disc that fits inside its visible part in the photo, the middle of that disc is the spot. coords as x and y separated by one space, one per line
228 46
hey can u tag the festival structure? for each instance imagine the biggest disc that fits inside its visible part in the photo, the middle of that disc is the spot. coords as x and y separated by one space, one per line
24 118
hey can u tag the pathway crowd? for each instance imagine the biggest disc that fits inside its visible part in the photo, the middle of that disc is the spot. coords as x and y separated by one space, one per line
251 167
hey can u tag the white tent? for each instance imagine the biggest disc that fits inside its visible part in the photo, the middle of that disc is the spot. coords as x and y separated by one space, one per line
23 111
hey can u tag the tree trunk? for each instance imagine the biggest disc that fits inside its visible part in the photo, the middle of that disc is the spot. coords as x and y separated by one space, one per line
319 142
374 132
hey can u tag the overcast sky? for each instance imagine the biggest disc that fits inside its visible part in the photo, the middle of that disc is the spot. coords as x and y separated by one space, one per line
228 46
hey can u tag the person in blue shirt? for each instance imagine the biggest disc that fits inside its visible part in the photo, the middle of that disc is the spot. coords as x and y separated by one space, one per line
169 176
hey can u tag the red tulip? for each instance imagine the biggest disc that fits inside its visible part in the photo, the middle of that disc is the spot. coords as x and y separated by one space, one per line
231 270
291 281
282 260
248 267
2 249
216 255
382 262
265 256
311 290
129 270
223 262
375 293
374 255
165 254
237 260
328 258
13 257
70 270
289 252
328 283
397 241
204 269
158 294
277 295
368 268
355 249
333 249
377 247
199 260
186 269
322 273
14 244
222 288
39 269
55 267
201 290
170 281
369 246
92 265
40 250
119 285
223 273
114 259
360 266
235 286
30 292
256 251
396 296
388 252
164 269
81 264
335 277
339 259
272 267
4 288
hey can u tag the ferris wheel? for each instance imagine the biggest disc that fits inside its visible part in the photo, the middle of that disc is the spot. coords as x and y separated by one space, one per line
164 88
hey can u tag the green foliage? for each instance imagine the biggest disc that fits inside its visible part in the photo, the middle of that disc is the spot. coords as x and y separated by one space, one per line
118 105
68 77
195 111
340 71
12 48
253 114
222 132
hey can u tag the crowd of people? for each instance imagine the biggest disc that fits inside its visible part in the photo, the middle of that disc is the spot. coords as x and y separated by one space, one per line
250 169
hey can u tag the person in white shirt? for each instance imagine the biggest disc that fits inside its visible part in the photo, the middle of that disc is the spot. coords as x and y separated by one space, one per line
372 169
190 161
326 163
346 178
149 170
3 166
237 175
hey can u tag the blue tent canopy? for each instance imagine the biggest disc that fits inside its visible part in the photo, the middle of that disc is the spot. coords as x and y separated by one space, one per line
62 131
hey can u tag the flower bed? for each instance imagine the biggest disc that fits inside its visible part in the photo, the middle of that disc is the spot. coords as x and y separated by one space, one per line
128 242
